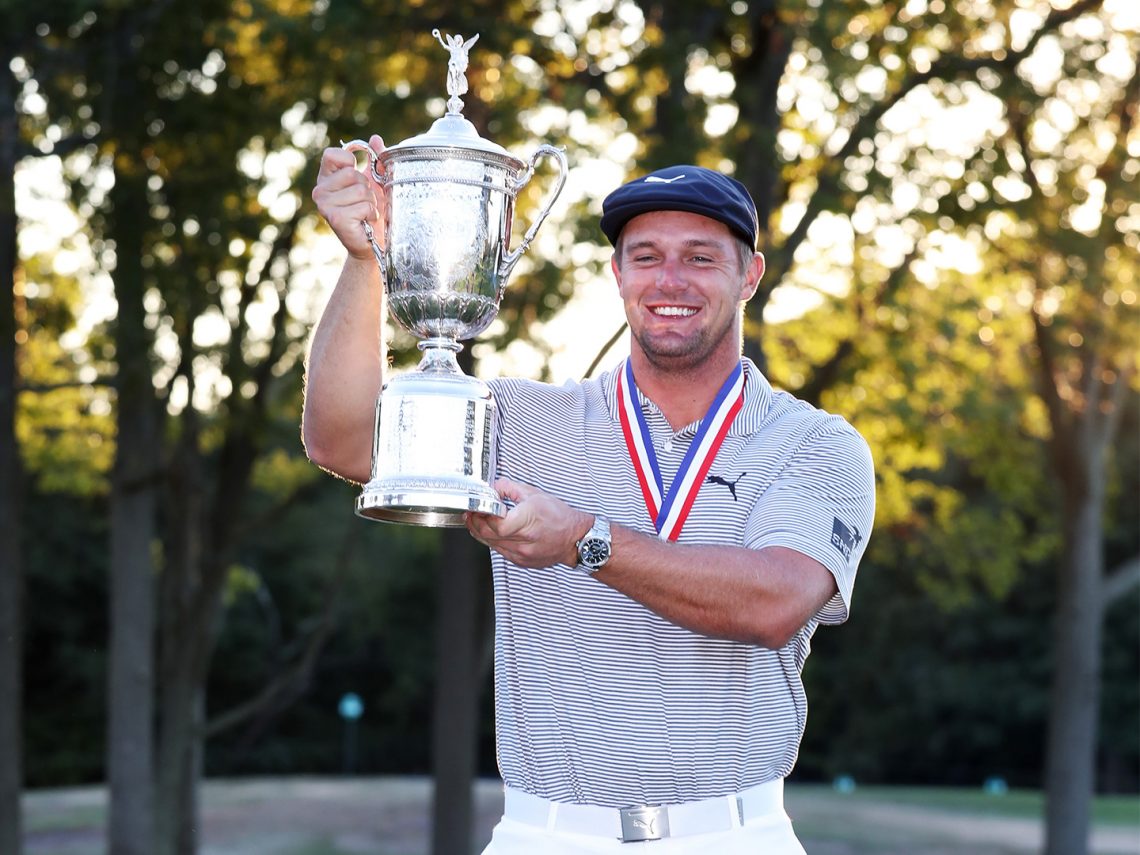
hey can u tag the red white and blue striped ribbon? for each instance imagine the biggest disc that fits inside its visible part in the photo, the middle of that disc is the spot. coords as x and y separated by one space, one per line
669 509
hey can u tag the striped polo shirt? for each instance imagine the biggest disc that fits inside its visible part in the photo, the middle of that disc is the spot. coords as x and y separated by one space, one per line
600 701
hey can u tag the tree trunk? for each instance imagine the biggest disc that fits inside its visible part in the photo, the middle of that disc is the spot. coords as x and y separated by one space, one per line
131 671
455 715
758 77
179 756
11 563
180 753
180 702
133 508
462 585
1075 699
181 734
201 538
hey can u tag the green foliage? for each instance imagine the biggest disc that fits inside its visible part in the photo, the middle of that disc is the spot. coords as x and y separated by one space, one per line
240 581
66 632
381 594
926 261
63 425
911 691
279 472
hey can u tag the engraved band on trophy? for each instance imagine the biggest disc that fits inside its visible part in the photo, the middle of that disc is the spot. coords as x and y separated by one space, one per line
444 258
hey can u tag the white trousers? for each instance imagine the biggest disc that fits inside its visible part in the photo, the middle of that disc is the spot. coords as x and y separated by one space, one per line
769 834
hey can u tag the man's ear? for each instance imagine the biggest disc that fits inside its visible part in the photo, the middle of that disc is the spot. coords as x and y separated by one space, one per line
616 270
752 277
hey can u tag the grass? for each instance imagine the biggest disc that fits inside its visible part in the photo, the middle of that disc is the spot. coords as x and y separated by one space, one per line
64 809
64 820
944 821
323 846
1022 804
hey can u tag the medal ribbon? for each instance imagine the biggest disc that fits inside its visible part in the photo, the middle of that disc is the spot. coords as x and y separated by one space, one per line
669 509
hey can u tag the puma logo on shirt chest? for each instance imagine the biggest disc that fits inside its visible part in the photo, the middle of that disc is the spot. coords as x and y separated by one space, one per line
724 482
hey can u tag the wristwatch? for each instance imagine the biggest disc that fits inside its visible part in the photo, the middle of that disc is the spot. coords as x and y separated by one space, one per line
594 547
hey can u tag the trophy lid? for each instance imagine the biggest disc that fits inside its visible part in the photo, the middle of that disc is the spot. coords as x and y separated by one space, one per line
452 131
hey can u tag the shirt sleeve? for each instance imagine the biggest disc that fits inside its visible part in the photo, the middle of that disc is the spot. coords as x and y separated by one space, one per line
822 504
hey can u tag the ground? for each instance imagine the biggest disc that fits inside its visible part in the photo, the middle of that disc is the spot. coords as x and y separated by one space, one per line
390 816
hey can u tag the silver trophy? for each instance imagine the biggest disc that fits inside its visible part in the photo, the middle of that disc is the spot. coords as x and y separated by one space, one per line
445 258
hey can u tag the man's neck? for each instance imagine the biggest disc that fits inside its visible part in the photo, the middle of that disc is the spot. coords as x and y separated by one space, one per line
683 396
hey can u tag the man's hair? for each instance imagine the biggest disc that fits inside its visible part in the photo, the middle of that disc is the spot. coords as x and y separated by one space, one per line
745 253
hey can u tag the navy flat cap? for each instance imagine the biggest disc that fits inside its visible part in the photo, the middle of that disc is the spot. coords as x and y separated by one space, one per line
683 188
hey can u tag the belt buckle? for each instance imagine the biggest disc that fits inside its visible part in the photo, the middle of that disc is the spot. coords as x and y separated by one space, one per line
644 823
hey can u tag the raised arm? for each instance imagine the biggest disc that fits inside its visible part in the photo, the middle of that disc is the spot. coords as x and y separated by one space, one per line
344 370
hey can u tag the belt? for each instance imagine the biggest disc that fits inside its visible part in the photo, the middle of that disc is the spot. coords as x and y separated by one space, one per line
647 822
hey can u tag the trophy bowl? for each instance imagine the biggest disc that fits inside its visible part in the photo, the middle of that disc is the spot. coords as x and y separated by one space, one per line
445 259
450 212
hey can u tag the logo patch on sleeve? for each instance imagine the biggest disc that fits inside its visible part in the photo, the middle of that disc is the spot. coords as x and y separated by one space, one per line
843 538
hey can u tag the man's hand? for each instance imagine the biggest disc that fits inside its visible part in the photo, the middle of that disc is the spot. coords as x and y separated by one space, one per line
346 197
538 531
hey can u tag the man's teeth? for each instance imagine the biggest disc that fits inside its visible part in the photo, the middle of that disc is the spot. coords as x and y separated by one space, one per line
674 311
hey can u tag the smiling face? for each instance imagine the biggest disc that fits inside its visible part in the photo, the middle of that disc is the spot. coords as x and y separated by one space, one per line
682 280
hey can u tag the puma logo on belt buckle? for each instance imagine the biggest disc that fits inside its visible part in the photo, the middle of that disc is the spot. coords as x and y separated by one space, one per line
644 823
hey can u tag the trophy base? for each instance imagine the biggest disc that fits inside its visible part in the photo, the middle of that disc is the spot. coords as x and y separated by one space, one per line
418 506
433 454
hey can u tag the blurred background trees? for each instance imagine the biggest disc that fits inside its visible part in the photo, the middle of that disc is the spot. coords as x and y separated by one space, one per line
949 209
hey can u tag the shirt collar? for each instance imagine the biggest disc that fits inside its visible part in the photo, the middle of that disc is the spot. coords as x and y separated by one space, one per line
757 399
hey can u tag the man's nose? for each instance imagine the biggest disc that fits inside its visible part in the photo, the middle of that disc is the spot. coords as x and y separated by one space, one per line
671 275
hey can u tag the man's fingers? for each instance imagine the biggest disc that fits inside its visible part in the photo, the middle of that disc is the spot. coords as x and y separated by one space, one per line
345 197
334 159
341 179
487 527
336 195
350 216
514 491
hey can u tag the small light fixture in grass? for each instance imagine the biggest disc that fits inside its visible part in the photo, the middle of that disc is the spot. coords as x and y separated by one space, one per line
844 784
995 785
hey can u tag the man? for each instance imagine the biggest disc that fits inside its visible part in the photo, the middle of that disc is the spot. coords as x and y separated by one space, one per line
677 530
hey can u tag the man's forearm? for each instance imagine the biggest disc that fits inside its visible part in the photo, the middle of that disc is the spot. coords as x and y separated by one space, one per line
344 373
756 596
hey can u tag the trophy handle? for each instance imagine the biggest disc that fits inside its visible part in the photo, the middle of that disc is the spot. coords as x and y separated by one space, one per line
512 257
373 159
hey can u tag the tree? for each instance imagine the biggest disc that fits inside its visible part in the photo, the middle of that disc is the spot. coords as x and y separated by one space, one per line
14 132
1058 161
11 558
134 479
1084 319
50 70
206 227
856 68
200 228
131 77
462 635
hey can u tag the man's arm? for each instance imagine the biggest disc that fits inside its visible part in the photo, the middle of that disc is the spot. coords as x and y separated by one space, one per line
344 370
757 596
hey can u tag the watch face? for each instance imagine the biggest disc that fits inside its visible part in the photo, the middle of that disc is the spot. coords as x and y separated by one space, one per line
594 551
